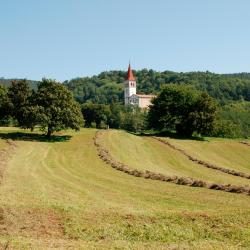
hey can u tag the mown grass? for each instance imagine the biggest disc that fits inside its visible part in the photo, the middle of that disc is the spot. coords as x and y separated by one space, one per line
3 144
148 154
61 195
222 152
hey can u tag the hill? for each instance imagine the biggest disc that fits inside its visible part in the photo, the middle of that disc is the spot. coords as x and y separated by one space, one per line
243 75
7 82
107 86
60 194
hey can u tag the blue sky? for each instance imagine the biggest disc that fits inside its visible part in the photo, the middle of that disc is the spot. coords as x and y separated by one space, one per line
63 39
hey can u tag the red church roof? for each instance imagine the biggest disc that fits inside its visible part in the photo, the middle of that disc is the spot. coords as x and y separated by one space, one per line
130 76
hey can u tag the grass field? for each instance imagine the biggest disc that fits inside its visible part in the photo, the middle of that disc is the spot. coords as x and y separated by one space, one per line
3 144
148 154
61 195
233 155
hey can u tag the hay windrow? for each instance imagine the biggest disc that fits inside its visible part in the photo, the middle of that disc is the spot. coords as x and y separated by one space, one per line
105 155
245 143
204 163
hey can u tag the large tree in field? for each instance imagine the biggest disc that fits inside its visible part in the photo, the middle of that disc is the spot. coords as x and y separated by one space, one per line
184 109
54 108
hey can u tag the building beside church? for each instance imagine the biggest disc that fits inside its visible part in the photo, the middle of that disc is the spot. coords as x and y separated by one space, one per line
130 95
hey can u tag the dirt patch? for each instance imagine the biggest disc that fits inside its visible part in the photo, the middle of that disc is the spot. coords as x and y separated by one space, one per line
30 223
204 163
104 154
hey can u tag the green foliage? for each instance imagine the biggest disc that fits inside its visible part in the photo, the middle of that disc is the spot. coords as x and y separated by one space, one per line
133 119
52 106
107 87
19 93
32 115
4 102
226 129
114 116
8 82
103 89
184 109
95 113
57 107
234 120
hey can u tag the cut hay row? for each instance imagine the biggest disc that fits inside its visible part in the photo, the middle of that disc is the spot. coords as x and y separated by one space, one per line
245 143
4 156
201 162
105 155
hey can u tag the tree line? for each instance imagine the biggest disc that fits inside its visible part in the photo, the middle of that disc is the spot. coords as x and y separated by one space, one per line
231 92
51 107
179 107
107 87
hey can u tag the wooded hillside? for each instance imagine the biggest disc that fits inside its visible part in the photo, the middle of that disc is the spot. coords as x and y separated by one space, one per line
107 86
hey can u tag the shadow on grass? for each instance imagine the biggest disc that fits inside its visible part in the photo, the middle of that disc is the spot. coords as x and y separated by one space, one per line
170 134
20 136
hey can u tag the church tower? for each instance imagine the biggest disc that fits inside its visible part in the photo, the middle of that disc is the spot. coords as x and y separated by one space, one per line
130 86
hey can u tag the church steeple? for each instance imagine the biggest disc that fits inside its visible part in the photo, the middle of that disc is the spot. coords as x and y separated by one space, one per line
130 86
130 76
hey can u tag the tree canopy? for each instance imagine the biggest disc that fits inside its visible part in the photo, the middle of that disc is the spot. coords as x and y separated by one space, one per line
58 109
52 106
107 87
4 103
184 109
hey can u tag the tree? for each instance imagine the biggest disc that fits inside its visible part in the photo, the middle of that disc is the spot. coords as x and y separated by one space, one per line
226 129
184 109
233 115
56 106
4 103
133 119
32 115
95 113
19 93
116 115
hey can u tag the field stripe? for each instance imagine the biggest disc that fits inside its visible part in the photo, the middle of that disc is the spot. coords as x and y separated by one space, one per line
203 163
104 154
5 154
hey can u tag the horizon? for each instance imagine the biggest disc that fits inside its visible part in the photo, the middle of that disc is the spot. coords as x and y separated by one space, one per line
14 78
64 40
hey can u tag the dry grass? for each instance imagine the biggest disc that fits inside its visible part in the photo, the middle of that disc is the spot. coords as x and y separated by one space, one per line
92 206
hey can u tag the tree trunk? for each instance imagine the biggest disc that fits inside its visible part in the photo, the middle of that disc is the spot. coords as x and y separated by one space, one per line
49 132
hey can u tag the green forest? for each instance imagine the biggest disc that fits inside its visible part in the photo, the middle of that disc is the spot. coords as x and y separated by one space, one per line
231 92
107 87
102 97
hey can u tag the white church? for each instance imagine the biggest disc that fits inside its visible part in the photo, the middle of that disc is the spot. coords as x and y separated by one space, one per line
130 96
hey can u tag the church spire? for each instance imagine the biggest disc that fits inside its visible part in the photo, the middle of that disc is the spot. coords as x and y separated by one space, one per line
130 76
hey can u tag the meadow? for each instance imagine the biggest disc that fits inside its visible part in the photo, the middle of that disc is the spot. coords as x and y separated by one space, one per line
61 195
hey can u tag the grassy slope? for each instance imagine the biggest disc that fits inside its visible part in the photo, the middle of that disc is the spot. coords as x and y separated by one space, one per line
148 154
231 155
61 194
